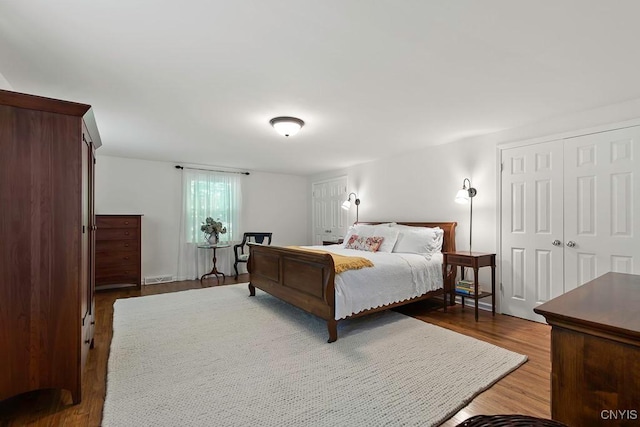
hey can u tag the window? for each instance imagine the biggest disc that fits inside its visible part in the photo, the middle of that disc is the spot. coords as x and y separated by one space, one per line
207 194
211 194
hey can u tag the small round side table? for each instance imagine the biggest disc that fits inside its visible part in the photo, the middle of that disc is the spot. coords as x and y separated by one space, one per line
214 270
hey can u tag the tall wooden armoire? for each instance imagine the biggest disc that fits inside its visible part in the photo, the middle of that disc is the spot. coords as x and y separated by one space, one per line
47 227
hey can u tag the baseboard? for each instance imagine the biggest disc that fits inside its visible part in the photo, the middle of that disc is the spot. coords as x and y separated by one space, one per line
469 302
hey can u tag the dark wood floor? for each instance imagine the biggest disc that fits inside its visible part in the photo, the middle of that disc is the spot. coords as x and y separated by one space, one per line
524 391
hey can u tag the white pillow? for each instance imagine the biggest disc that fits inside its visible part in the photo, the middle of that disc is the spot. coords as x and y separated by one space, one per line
418 240
439 240
389 234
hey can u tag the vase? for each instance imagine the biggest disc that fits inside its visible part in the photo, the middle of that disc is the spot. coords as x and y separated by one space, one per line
213 239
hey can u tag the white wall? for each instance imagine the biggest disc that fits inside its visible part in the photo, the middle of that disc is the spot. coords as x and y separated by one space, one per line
128 186
4 84
421 185
278 203
271 202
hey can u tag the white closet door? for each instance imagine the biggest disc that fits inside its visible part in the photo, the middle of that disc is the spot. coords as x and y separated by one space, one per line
329 219
602 212
532 212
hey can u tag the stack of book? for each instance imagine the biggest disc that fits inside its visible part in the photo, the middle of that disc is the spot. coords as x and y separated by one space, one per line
465 287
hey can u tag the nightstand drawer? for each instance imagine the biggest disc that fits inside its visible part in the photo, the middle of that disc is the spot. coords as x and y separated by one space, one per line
463 261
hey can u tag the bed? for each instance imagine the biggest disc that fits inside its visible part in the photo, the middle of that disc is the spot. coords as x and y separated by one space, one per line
308 280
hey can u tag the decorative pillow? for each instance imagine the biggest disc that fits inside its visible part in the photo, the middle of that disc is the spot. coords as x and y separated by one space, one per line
360 230
418 240
389 234
364 243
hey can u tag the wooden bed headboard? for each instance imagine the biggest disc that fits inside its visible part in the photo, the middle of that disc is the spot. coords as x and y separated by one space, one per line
449 239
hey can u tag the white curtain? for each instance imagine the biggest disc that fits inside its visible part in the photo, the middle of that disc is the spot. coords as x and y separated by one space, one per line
208 194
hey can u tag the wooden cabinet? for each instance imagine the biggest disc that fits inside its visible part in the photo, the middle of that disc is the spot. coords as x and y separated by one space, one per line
46 242
474 260
595 352
118 251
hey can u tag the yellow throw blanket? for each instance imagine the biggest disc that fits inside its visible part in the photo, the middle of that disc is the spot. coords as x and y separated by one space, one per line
341 262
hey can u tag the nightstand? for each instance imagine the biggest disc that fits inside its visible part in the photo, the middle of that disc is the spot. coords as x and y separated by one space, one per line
475 260
332 242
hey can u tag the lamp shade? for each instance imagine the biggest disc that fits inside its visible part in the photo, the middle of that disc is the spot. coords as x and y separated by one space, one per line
346 205
462 196
286 126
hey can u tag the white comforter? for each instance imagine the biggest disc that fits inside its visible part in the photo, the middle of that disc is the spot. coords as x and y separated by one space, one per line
395 277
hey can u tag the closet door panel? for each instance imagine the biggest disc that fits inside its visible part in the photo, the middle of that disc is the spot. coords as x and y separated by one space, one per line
531 265
602 211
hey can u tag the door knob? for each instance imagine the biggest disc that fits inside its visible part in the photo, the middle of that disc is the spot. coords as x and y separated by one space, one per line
556 243
571 244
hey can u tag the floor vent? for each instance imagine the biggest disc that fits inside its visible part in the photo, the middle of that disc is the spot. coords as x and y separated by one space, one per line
158 279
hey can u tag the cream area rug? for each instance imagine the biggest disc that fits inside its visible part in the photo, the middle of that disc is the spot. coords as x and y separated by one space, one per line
217 357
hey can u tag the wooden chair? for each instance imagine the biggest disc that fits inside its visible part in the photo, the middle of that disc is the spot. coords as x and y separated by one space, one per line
241 250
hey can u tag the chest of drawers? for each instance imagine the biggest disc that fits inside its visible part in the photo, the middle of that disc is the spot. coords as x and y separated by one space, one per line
118 251
595 352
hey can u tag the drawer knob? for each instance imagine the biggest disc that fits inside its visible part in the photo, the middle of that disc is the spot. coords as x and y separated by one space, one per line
126 258
126 245
126 223
126 233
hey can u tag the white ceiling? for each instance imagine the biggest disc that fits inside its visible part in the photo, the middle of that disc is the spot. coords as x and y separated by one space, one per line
198 81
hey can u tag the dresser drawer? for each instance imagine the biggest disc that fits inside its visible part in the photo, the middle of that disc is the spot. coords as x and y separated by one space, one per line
117 234
117 221
130 272
119 246
126 259
117 280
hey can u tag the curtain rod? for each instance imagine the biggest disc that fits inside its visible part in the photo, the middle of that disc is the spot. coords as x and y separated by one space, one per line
210 170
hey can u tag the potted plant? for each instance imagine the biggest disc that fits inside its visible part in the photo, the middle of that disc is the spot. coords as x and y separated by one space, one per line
212 230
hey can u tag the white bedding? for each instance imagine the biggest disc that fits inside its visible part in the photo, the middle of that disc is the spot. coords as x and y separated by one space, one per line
394 277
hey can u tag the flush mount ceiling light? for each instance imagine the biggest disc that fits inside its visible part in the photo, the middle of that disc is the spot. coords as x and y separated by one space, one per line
286 126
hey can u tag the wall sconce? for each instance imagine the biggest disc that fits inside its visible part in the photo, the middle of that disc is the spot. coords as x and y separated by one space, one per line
286 126
346 205
466 195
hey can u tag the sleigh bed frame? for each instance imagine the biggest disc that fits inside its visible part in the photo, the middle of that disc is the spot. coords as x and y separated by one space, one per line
306 279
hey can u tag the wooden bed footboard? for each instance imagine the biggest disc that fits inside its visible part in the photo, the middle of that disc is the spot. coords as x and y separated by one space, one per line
306 279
